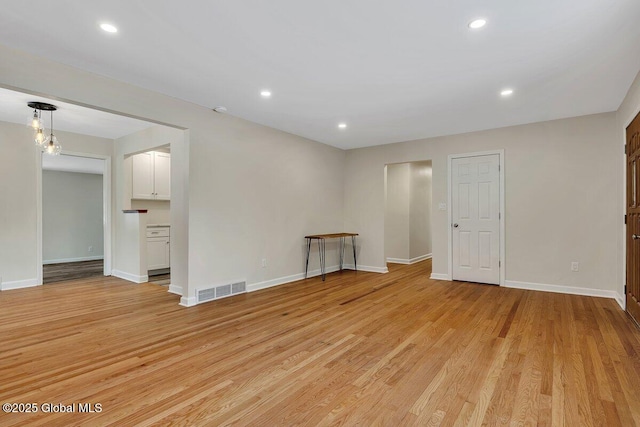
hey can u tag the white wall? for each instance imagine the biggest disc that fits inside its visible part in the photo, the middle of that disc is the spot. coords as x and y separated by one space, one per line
420 210
72 216
396 219
248 192
18 189
561 198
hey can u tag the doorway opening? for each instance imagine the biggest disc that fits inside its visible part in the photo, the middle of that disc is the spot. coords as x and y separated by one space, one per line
147 177
75 217
408 206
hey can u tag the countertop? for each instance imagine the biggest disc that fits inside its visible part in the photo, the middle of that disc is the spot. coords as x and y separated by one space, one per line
158 225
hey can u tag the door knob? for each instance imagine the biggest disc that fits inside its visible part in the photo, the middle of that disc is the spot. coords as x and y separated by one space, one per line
456 226
635 237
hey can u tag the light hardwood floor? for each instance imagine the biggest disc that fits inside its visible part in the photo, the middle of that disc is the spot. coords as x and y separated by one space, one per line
358 349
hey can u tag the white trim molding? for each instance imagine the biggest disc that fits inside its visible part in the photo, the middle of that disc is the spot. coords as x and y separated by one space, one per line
561 289
408 261
19 284
130 277
65 260
367 268
503 212
188 302
438 276
312 273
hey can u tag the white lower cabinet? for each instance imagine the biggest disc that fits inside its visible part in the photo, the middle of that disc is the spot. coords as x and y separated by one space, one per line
158 248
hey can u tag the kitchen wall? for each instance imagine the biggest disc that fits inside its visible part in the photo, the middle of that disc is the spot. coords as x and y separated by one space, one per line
72 216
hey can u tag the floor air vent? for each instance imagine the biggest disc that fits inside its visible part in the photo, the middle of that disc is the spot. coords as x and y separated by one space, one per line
222 291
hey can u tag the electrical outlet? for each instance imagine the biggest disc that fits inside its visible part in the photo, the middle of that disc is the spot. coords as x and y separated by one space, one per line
264 262
90 248
575 266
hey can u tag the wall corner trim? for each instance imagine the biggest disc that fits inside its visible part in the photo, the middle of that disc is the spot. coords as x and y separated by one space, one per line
130 277
622 302
188 302
408 261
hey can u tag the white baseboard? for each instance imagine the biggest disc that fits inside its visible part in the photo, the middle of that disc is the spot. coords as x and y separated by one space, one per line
288 279
64 260
561 289
438 276
368 269
312 273
408 261
188 302
130 277
175 289
18 284
622 302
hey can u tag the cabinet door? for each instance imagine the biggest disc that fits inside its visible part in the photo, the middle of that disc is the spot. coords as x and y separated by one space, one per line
157 253
142 176
162 179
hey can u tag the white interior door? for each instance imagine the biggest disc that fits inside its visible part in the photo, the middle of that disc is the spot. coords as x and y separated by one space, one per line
475 213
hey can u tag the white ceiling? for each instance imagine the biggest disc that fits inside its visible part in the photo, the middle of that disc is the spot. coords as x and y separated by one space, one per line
392 70
68 117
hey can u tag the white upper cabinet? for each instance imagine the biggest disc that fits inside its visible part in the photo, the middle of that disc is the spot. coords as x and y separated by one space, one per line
151 176
162 175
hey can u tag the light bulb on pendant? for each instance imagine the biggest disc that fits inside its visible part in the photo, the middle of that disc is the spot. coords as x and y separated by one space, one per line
52 146
39 137
35 122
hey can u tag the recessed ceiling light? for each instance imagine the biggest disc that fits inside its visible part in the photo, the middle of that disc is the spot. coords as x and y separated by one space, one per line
266 94
342 125
507 92
477 23
109 28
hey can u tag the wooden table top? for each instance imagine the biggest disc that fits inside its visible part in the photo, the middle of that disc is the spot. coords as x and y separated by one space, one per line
330 235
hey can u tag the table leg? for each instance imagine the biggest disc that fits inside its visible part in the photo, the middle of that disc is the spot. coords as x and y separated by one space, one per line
353 243
322 257
306 267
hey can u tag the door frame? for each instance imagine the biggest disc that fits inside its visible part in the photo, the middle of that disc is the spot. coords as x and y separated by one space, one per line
503 259
106 210
622 301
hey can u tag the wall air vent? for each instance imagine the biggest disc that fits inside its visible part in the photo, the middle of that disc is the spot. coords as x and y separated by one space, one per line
210 294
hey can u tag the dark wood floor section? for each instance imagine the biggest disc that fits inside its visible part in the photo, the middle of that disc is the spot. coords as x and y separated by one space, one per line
71 271
359 349
160 279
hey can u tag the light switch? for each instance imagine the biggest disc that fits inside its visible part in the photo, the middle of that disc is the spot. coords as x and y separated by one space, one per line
442 206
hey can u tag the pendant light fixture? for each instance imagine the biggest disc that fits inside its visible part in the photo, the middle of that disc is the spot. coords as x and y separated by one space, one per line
50 144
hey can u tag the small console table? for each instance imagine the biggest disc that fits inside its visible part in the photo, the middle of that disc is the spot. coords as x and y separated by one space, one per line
321 246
